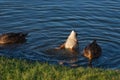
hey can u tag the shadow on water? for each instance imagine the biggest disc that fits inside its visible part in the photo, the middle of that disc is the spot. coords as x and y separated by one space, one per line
64 57
50 22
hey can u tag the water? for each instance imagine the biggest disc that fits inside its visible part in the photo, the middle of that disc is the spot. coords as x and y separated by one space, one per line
50 22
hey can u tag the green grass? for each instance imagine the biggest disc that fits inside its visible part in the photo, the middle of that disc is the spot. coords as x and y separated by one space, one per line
14 69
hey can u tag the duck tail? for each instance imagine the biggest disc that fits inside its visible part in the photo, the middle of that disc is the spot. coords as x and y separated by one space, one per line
23 34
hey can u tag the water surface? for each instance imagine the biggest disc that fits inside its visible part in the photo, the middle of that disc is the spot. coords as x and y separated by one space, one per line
50 22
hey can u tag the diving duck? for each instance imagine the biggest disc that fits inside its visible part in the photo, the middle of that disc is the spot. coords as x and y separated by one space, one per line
93 50
10 38
71 42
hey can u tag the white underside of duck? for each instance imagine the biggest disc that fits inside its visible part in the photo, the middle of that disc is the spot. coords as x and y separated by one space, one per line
71 42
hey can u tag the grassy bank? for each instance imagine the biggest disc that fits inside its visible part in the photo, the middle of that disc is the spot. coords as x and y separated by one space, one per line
13 69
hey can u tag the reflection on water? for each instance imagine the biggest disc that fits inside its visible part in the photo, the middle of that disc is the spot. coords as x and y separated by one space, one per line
50 22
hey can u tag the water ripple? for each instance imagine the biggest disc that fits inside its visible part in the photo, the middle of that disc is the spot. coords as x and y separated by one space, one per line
50 22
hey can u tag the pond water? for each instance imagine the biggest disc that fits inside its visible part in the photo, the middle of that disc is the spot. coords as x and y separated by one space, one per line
50 22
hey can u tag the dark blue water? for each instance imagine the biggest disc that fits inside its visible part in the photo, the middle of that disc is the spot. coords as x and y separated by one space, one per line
50 22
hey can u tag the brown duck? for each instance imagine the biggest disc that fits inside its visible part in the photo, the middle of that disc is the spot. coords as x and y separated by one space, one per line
93 50
10 38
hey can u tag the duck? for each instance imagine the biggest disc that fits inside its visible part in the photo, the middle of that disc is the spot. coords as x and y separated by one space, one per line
71 43
91 51
12 37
